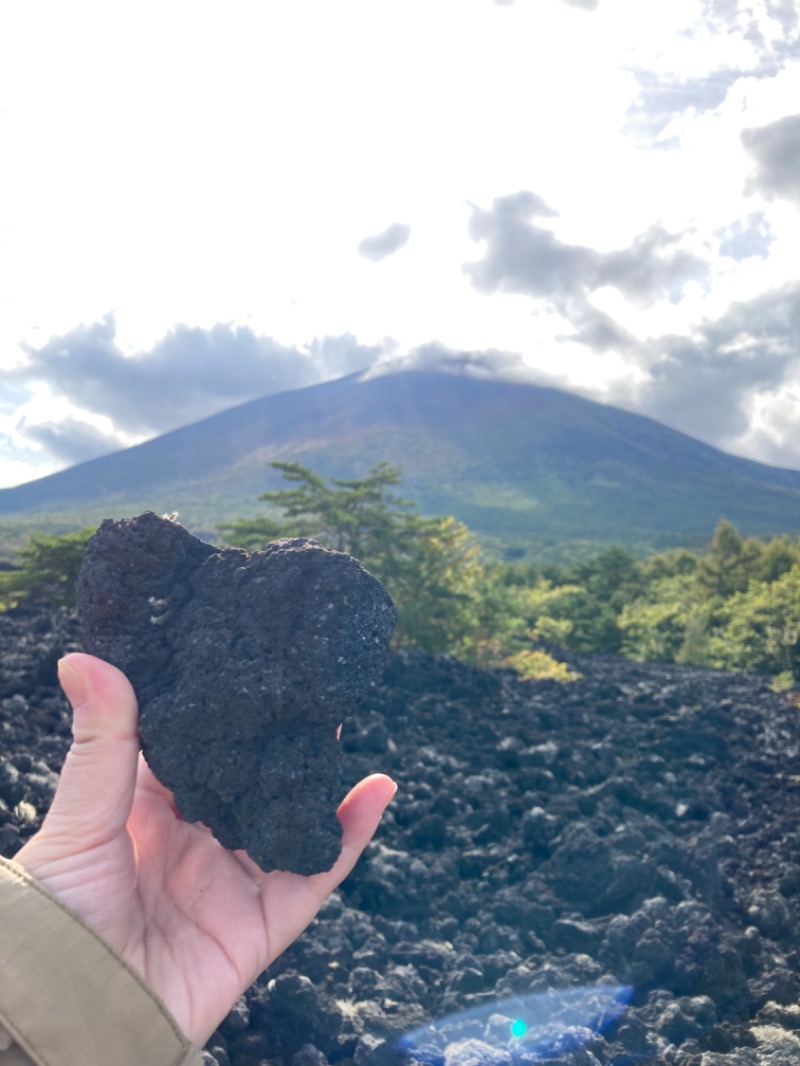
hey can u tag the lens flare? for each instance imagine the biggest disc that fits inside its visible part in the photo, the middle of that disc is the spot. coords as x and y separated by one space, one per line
519 1030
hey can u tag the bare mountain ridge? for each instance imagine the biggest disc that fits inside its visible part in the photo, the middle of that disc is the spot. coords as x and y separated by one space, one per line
520 464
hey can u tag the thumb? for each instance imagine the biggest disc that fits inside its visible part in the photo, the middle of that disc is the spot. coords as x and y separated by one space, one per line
95 791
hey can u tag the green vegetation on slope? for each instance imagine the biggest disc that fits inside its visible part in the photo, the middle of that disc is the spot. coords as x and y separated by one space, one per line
734 606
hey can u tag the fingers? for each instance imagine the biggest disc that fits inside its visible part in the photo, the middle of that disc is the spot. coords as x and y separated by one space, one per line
95 791
360 813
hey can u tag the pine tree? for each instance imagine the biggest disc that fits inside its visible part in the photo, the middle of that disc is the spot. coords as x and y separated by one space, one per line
430 566
47 571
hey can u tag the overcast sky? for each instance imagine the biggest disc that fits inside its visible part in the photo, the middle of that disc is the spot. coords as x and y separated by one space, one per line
202 202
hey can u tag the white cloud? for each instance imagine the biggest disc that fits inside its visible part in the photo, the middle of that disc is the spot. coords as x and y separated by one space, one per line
78 395
776 149
387 242
209 173
524 256
725 376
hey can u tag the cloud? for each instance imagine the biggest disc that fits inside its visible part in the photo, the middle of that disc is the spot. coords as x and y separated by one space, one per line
706 384
383 244
718 383
483 363
773 432
189 374
726 40
69 440
334 357
772 29
662 97
776 150
653 266
522 257
787 15
598 331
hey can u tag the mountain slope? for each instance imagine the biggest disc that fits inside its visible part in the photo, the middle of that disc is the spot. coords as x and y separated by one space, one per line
517 463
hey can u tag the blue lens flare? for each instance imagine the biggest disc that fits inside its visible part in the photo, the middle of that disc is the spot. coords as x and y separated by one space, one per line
522 1030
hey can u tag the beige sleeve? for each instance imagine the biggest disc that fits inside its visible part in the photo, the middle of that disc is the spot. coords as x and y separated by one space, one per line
66 999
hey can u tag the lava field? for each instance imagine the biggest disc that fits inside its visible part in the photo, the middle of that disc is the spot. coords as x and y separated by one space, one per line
600 872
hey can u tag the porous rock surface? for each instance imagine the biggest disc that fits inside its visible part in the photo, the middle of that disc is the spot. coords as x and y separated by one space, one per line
639 826
244 667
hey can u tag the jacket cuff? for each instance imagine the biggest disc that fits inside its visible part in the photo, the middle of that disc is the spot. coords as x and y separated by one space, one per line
66 998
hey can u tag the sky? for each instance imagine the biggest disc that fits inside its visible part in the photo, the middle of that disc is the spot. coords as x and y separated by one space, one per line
202 203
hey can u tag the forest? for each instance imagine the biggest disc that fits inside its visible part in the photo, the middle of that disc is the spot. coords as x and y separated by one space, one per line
733 606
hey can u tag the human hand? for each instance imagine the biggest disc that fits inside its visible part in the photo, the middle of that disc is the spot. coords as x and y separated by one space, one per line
197 922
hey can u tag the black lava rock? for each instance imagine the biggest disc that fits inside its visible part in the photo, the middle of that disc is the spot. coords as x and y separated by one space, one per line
244 667
693 849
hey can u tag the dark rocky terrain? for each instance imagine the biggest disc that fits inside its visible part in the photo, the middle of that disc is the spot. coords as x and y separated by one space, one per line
639 828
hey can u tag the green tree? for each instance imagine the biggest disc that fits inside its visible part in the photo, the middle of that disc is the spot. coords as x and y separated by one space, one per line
651 632
779 555
672 563
435 575
47 570
547 610
609 580
761 628
730 563
697 636
667 624
430 566
359 517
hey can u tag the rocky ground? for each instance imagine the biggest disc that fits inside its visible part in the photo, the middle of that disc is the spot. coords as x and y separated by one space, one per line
606 871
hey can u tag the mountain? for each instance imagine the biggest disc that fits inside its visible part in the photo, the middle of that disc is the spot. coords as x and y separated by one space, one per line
522 465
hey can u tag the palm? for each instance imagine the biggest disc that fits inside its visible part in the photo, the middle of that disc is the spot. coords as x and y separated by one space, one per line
199 923
192 918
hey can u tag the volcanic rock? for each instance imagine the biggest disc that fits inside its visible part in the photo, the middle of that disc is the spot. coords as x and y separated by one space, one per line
693 773
244 667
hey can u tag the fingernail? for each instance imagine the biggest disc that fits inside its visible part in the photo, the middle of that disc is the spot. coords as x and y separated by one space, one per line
72 681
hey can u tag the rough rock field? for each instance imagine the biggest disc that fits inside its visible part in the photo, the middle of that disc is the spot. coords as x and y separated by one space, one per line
606 871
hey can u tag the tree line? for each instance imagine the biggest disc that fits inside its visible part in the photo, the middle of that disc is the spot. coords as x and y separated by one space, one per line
735 606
